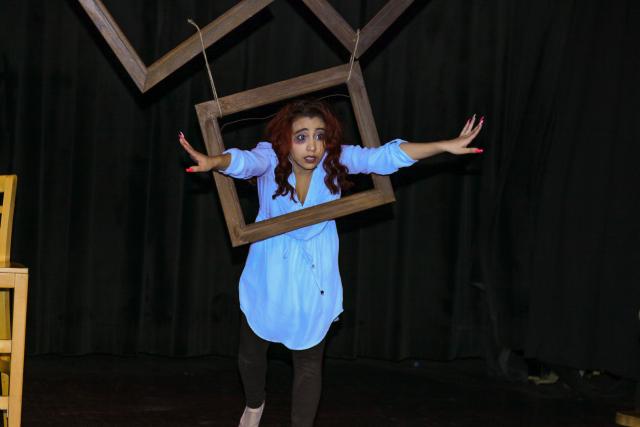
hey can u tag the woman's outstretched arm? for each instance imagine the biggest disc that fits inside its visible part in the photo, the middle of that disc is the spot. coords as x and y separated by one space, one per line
204 163
398 153
459 145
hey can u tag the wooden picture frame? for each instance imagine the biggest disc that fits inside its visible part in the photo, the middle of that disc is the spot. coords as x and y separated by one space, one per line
209 113
146 77
346 34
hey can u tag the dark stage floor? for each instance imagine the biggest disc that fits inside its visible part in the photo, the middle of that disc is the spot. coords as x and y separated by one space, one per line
154 391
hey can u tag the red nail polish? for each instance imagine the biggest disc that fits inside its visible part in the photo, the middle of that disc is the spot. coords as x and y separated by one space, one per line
189 169
479 150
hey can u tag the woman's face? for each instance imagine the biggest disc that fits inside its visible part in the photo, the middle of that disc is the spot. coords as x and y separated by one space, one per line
307 143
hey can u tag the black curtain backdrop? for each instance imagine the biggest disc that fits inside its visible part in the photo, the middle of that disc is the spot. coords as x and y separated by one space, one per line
533 246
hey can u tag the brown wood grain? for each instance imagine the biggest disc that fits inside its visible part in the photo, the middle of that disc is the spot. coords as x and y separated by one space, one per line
147 77
336 24
208 114
380 23
279 91
116 40
366 125
313 215
226 188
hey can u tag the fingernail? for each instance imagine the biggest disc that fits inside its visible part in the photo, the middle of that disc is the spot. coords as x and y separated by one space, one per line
180 134
481 119
189 169
479 150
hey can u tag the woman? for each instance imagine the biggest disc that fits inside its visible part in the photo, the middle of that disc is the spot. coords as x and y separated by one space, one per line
290 288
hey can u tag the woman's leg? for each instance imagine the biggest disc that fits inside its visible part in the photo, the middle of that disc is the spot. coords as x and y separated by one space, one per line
307 384
252 362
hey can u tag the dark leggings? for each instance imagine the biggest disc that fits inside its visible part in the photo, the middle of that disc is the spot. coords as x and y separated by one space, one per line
307 375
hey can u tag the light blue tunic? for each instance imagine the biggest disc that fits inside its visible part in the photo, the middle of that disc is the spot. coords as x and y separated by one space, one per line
281 284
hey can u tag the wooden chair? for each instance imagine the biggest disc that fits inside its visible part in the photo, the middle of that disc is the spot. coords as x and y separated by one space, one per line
631 418
13 310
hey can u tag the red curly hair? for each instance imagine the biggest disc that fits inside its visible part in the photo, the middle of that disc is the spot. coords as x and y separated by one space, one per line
279 133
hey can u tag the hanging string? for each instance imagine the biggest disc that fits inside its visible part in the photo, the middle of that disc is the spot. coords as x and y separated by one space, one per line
246 120
206 61
353 54
271 115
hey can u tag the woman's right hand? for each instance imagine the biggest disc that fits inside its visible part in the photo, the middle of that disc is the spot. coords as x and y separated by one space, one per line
204 163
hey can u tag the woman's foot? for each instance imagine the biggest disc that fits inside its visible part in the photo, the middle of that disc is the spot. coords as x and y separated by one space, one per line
251 416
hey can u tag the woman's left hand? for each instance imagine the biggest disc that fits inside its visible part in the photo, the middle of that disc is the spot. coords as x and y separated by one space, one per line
469 132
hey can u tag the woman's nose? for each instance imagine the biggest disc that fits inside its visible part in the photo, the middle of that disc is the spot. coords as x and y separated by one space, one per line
311 146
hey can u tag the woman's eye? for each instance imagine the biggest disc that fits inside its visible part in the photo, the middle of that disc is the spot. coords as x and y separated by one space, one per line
320 137
300 138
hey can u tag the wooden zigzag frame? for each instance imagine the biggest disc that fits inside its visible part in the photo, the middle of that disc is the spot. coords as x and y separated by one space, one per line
369 34
147 77
209 112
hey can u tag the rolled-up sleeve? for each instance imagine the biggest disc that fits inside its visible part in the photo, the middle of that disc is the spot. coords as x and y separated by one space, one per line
247 164
383 160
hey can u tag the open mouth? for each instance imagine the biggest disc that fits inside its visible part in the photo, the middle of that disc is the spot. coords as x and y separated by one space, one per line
310 159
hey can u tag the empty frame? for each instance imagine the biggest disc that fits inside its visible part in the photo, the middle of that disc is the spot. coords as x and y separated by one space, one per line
208 115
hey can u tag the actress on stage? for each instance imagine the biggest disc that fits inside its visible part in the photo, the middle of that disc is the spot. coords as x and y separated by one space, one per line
290 288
